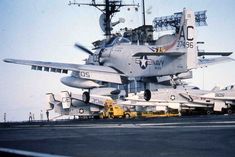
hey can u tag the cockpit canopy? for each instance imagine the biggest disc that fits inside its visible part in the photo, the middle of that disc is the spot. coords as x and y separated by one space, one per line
231 87
116 40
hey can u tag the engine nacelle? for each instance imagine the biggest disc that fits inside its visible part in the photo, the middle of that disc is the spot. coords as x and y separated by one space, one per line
79 83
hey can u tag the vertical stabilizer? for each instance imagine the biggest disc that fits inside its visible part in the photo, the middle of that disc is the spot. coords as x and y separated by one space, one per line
50 99
184 39
187 38
66 100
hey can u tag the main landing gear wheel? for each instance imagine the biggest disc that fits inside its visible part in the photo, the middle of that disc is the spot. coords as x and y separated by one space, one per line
147 95
127 116
230 111
208 112
86 97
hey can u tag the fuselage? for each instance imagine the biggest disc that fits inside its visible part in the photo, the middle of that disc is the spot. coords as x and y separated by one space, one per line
119 55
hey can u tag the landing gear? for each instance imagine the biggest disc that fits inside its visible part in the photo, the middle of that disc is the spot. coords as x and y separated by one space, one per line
147 95
86 97
209 112
173 83
229 111
110 116
127 116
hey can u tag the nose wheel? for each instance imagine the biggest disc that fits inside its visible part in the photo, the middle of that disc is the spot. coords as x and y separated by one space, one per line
86 97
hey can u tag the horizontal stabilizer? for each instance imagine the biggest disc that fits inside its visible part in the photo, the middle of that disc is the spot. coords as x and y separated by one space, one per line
214 53
176 54
204 62
51 101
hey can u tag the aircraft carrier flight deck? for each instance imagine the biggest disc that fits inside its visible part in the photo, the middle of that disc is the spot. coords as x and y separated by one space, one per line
194 136
129 71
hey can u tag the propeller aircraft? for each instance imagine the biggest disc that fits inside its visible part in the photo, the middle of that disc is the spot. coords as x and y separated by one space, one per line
122 63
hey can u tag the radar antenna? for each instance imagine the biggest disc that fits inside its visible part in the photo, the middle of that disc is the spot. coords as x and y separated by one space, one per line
172 22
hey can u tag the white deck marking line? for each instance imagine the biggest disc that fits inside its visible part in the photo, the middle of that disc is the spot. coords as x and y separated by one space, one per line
26 153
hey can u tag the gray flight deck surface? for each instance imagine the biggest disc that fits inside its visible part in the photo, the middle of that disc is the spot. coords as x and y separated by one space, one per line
194 136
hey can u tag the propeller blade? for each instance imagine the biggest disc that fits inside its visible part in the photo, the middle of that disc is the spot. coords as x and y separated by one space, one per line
83 48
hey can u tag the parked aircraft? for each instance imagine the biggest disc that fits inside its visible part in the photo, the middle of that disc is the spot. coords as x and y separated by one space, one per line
182 99
185 97
118 61
71 104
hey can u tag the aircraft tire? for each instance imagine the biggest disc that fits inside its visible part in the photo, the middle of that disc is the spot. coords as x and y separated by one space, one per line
86 97
147 95
229 111
111 116
127 116
208 112
101 116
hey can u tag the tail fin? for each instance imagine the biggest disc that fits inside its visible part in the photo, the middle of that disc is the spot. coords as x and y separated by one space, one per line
184 40
66 99
187 39
50 100
215 89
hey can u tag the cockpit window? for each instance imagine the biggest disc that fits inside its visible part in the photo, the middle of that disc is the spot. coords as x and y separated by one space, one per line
114 40
111 42
229 87
124 40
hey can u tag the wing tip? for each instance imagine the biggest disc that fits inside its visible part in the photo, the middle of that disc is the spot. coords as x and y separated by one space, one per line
7 60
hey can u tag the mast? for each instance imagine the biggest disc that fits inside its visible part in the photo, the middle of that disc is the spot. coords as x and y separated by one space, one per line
143 9
107 18
108 8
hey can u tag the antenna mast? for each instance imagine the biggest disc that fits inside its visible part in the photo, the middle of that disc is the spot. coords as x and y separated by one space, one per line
108 8
143 12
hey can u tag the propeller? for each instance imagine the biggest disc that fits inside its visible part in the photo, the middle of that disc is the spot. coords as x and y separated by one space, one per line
84 49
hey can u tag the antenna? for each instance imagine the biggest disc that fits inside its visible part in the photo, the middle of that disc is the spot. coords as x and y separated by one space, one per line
173 21
143 12
108 8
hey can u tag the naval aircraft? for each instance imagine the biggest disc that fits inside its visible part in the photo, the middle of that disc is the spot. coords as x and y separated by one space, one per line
187 98
183 99
118 61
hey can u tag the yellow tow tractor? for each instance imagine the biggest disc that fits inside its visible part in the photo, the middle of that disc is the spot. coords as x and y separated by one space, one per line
113 110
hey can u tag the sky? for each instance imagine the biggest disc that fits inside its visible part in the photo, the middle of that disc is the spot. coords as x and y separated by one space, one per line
47 30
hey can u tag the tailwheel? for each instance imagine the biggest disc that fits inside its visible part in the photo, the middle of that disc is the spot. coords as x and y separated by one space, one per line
86 97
